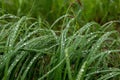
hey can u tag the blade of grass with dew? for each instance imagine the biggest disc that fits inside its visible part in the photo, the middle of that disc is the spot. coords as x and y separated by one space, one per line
30 65
10 43
68 64
109 75
52 69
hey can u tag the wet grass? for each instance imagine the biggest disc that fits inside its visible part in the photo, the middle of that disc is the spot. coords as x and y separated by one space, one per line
72 46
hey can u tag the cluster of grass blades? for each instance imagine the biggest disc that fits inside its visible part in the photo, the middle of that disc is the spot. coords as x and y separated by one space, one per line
100 11
31 49
37 45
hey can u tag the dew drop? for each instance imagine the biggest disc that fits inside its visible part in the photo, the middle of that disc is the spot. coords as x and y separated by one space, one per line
12 64
17 60
88 40
82 70
98 46
65 39
91 33
11 16
10 45
30 62
28 68
63 44
35 57
21 40
111 74
24 44
108 51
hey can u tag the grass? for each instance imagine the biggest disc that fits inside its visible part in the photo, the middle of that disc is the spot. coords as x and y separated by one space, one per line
75 44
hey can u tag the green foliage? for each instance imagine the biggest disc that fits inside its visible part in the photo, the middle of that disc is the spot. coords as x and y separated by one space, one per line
59 40
100 10
47 9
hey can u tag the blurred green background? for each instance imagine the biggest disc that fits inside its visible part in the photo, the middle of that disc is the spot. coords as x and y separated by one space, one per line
100 11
